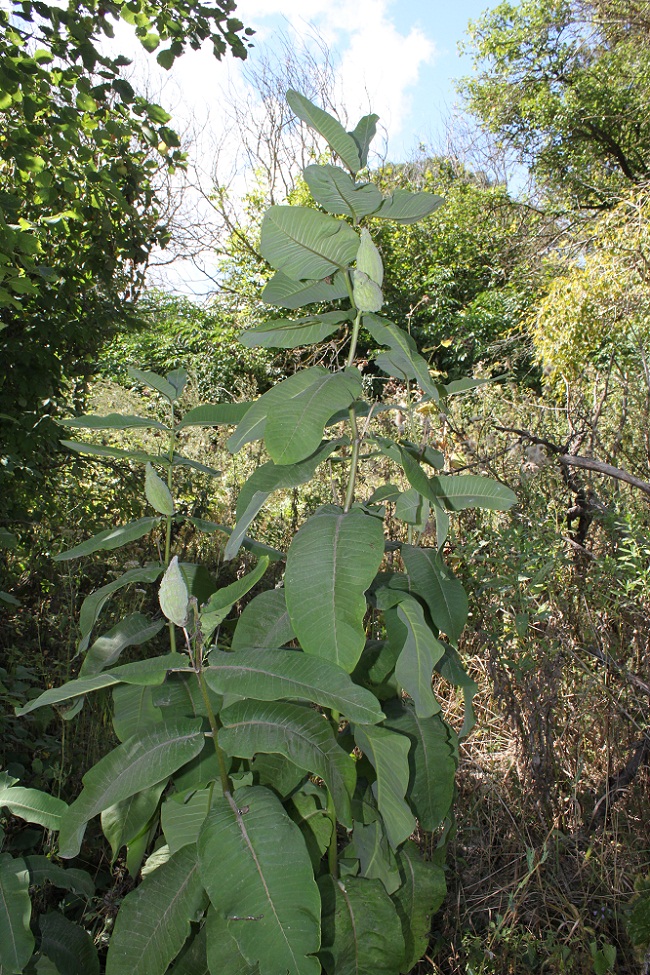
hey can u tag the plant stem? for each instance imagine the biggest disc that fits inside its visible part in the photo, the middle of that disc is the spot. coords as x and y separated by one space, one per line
332 852
226 784
168 532
356 444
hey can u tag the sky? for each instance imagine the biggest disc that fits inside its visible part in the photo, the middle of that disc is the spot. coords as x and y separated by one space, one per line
398 58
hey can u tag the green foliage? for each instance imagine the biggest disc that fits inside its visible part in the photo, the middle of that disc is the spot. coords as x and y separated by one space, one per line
565 83
291 787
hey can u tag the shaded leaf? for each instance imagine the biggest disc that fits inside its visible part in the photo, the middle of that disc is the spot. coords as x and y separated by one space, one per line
110 538
181 818
404 206
421 893
224 956
287 334
132 631
154 381
363 134
254 423
67 945
222 601
124 821
362 934
445 596
388 752
304 243
33 806
264 622
95 602
220 414
284 291
112 421
43 870
376 859
157 493
405 357
343 143
16 939
339 194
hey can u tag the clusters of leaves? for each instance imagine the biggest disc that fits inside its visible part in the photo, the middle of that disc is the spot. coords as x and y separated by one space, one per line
565 84
80 157
280 776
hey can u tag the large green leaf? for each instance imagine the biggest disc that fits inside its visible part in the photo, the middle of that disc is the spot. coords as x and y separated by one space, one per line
445 596
264 622
412 508
135 765
16 939
459 491
304 243
95 602
363 134
432 762
264 481
170 390
270 901
223 954
291 334
132 631
267 675
193 959
68 945
362 934
134 710
297 732
343 143
33 806
405 206
284 291
101 450
110 538
222 601
388 752
182 816
254 423
421 893
124 821
339 194
419 654
43 870
226 414
369 845
294 428
411 364
153 922
113 421
451 668
331 562
142 672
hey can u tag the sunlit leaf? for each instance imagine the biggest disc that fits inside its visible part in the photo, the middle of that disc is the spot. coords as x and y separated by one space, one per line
284 291
404 206
435 584
304 243
110 538
339 194
388 755
344 145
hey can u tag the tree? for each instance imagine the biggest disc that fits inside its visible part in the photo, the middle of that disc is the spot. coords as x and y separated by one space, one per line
80 158
566 84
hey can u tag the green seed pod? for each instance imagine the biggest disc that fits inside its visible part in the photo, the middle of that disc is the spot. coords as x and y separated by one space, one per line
369 259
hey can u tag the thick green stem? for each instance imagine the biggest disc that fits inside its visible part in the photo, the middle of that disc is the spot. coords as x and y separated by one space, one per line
169 518
356 443
226 784
332 853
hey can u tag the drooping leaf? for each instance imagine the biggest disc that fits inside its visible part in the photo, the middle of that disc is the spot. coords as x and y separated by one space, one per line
95 602
43 870
362 934
432 762
277 772
222 601
421 893
16 939
157 493
112 421
33 806
132 631
193 959
153 922
404 206
291 334
331 562
294 428
264 622
223 954
124 821
370 847
343 143
267 675
181 818
283 291
110 538
154 381
451 668
405 356
412 508
304 243
459 491
445 596
173 594
142 672
308 811
339 194
363 134
271 903
388 752
219 414
135 765
419 654
264 481
68 945
297 732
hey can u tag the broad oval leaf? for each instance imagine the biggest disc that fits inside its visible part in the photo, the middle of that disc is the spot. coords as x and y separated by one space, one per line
95 602
339 194
369 845
270 903
223 954
388 752
422 891
254 423
181 818
264 622
283 291
153 922
267 675
110 538
304 243
343 143
134 765
157 493
294 428
222 601
405 206
126 820
154 381
300 734
404 356
291 334
331 562
33 806
68 945
419 655
132 631
444 595
460 491
16 939
362 934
